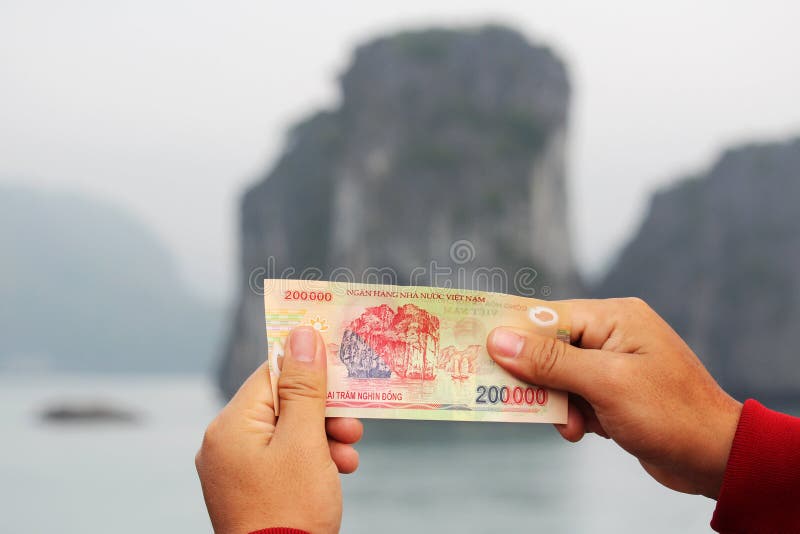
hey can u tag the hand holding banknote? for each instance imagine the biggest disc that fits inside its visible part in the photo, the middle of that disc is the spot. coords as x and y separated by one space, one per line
258 471
634 380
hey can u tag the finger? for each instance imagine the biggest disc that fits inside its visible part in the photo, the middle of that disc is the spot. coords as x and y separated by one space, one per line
574 429
302 386
596 428
344 456
619 325
590 420
592 424
254 397
344 429
593 322
549 362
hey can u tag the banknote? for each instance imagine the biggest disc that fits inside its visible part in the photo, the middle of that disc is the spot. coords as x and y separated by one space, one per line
402 352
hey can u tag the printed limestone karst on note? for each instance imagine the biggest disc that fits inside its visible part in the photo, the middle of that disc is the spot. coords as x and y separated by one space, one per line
382 341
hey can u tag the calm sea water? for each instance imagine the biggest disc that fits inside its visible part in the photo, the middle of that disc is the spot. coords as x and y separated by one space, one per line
140 478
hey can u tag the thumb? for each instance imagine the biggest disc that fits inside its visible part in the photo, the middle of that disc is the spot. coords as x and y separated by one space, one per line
549 362
302 385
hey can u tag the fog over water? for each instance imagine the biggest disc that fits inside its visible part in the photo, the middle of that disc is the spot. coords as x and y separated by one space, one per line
141 477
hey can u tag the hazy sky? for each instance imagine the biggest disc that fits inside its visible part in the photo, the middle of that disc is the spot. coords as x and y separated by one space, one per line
171 108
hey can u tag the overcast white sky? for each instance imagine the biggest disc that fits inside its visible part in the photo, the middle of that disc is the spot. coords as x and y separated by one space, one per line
171 108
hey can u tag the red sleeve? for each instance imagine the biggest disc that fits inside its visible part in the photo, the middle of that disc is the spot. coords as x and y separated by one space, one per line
280 530
761 487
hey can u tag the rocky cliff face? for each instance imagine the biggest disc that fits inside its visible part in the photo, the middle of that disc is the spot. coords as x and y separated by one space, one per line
718 257
441 136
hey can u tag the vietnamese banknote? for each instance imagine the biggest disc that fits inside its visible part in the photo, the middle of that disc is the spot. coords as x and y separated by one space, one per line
397 352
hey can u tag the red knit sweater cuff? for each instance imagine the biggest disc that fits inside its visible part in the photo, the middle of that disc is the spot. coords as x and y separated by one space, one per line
280 530
761 485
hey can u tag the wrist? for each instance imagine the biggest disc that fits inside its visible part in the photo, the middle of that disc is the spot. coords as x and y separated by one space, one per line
722 432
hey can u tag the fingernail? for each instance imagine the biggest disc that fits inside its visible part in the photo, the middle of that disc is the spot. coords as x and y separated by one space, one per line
304 343
507 343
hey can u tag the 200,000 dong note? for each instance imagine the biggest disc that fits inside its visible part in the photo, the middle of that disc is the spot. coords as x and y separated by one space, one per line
397 352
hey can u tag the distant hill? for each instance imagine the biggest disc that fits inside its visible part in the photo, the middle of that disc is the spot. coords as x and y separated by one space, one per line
84 286
718 255
442 135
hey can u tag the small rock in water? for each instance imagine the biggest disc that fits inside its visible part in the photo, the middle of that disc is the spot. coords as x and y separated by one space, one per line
91 412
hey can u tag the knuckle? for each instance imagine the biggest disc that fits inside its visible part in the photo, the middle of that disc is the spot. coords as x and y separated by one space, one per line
300 386
211 438
546 356
633 308
636 303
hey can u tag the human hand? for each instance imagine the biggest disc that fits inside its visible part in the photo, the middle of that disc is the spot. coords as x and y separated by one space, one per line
631 378
258 472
